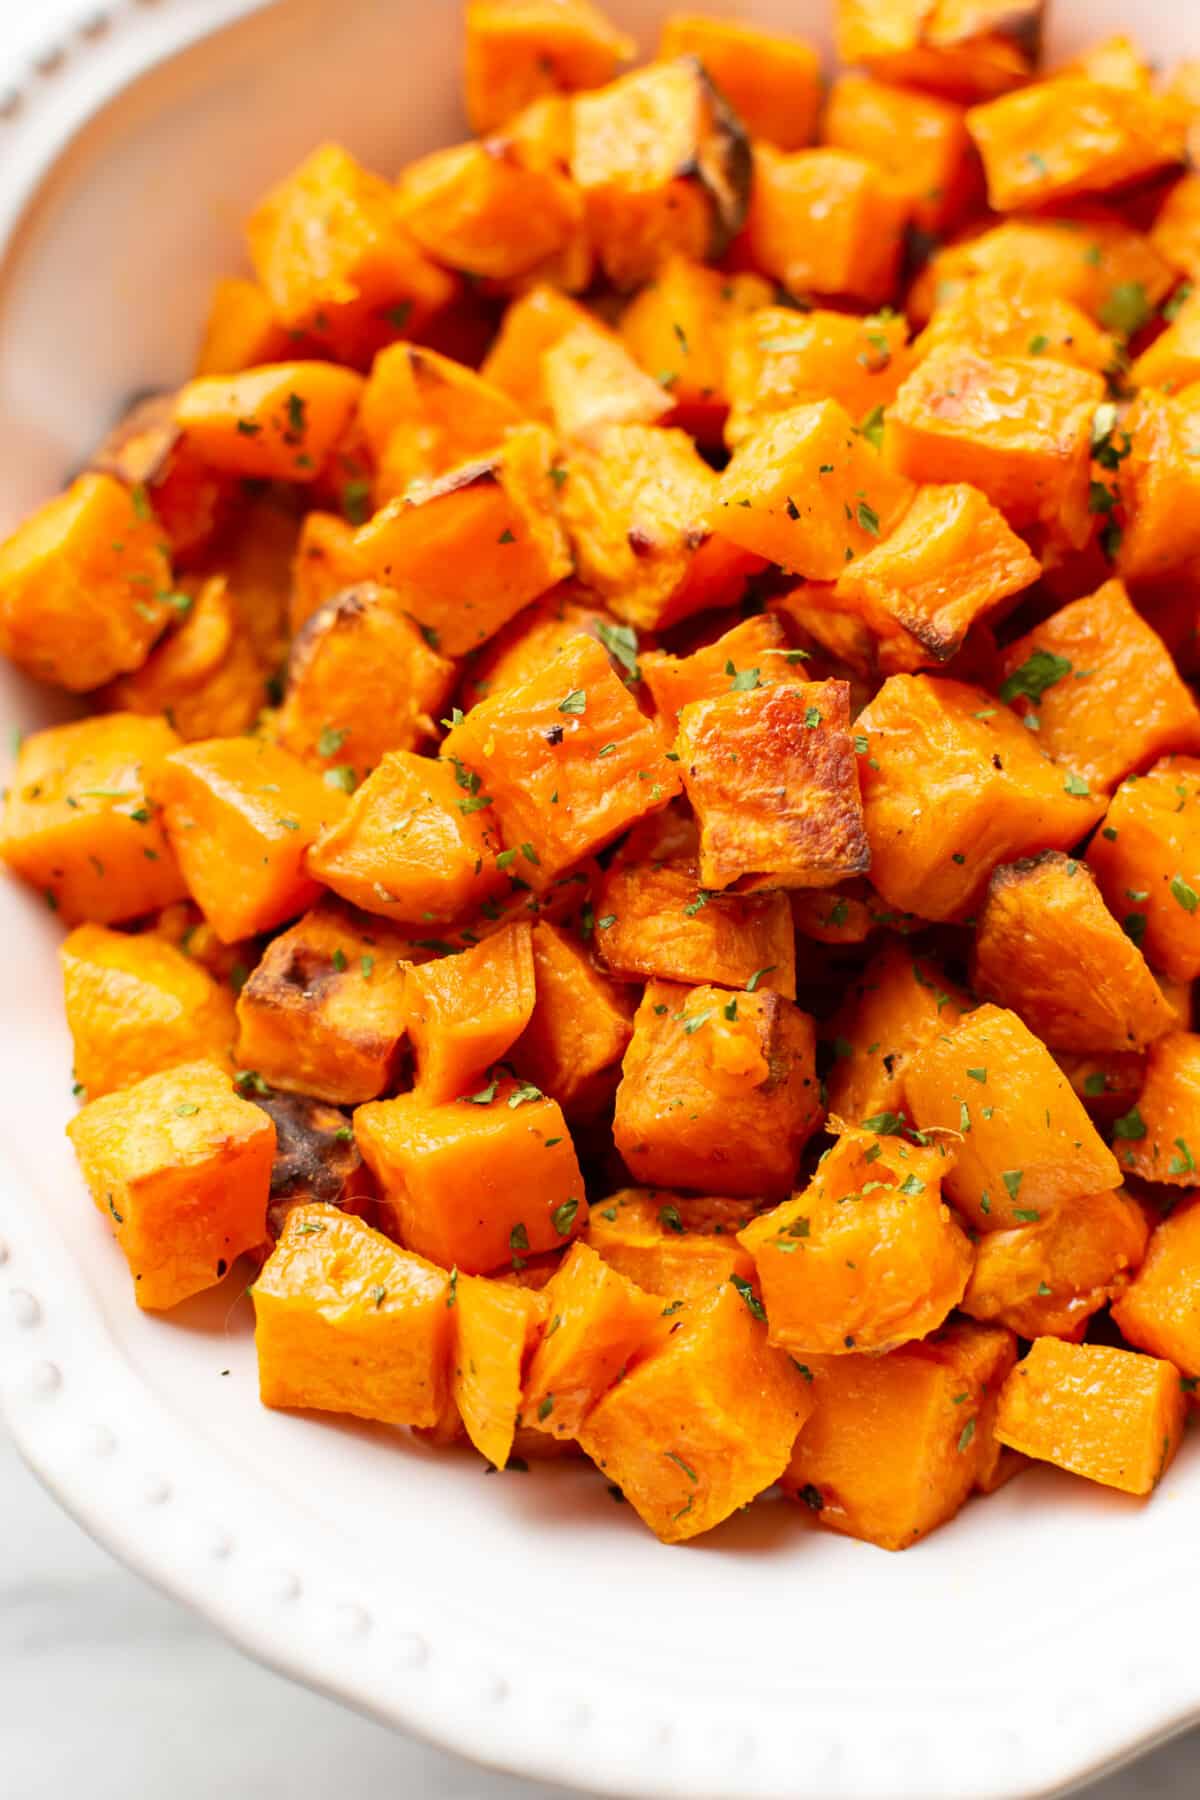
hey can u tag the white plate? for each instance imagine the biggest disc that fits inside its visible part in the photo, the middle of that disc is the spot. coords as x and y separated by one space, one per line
523 1620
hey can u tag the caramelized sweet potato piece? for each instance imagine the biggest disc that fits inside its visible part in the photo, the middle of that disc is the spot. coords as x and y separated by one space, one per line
677 1246
771 773
756 648
135 1005
1009 312
1172 361
466 552
1112 1416
1048 947
580 1026
973 50
84 584
952 786
825 222
523 647
204 674
532 326
705 1424
241 329
326 563
496 1329
1158 1311
519 50
316 1159
148 451
1046 1280
465 1012
779 359
590 381
599 1325
422 414
896 1005
492 210
1025 1144
919 140
717 1095
1146 858
476 1183
772 80
868 1256
79 823
1159 1137
347 1322
897 1443
681 328
1159 485
256 558
1056 139
182 1168
1092 260
278 422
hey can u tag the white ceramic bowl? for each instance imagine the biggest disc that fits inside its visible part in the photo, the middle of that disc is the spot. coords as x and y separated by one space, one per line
524 1620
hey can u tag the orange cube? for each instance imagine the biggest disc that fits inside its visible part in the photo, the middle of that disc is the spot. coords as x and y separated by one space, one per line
417 842
1159 486
148 454
347 1322
780 359
590 381
1100 264
580 1026
422 414
479 1183
526 644
496 1329
1057 139
717 1094
1112 1416
1048 1279
677 1246
240 815
1158 1310
241 329
772 80
182 1168
204 674
599 1325
84 583
326 562
1172 361
1013 311
809 493
952 786
1148 852
753 653
681 329
772 774
532 326
1025 1144
970 51
896 1005
464 1012
567 758
919 140
277 423
704 1425
826 222
519 50
1155 1138
493 210
79 822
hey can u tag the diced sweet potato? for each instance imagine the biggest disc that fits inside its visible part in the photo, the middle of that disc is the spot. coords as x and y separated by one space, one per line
1057 139
1025 1144
590 381
79 822
1159 1137
580 1026
780 359
1112 1416
182 1167
519 50
241 329
147 450
599 1325
464 1012
1046 1280
772 81
347 1322
971 51
1090 260
1158 1310
524 646
531 327
1107 1085
703 1426
1172 361
1009 312
1048 947
896 1005
277 422
316 1158
718 1095
952 786
240 815
491 209
478 1183
868 1256
750 654
825 222
1018 428
135 1006
809 493
897 1443
466 552
422 414
681 328
771 773
1159 486
204 675
256 558
1146 858
920 140
496 1328
677 1246
567 760
417 842
84 584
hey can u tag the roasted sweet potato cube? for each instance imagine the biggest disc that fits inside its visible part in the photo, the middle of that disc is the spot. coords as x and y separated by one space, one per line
1018 428
771 79
464 1012
868 1256
478 1183
241 329
780 359
148 450
1112 1416
703 1426
79 823
1175 234
825 222
1146 858
527 643
1158 1310
496 1328
423 414
717 1095
681 329
466 552
1103 687
346 1321
181 1167
316 1158
277 423
1010 312
324 1011
639 504
1158 1139
896 1005
361 680
240 815
664 165
1159 485
84 584
326 563
532 325
752 654
845 914
971 51
952 786
677 1246
1048 947
580 1026
599 1325
1057 139
1025 1144
809 493
771 773
590 380
919 140
519 50
204 675
571 731
1172 361
135 1006
328 246
952 560
491 210
256 558
1099 262
1046 1280
896 1443
418 842
1107 1085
